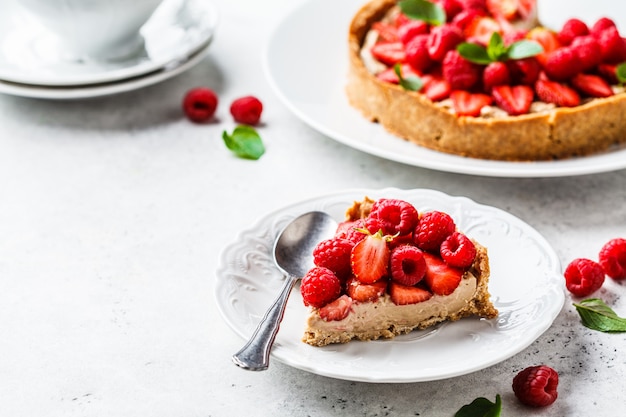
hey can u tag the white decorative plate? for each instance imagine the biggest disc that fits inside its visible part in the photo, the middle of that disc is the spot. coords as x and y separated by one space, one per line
30 56
526 287
307 66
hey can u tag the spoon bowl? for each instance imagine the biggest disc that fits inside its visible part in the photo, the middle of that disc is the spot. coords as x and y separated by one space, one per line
293 255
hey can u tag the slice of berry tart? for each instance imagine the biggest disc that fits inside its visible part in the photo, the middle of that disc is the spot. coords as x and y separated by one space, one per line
483 79
390 270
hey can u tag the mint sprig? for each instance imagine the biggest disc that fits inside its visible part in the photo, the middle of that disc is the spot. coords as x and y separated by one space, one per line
481 407
411 83
496 50
596 315
426 11
620 72
245 142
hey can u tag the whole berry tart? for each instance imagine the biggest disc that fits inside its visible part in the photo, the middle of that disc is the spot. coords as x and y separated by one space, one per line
390 270
483 79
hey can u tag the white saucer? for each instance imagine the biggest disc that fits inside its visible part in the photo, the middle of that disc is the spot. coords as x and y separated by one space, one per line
96 90
31 55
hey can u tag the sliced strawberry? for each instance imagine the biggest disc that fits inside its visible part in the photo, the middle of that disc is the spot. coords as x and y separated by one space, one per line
504 8
524 71
608 72
526 7
548 40
514 100
389 53
386 32
481 28
389 75
370 258
365 292
441 278
442 39
336 310
417 54
592 85
612 46
469 104
436 88
403 294
411 29
557 93
496 73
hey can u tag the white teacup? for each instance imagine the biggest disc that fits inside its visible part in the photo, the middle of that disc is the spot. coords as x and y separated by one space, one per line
94 29
554 13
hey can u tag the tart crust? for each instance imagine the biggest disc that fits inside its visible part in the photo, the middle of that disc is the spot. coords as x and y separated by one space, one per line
552 134
383 319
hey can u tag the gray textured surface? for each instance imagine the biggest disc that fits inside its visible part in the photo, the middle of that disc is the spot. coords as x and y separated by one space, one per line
113 215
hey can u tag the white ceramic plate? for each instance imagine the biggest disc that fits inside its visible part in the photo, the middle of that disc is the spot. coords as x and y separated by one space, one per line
306 65
526 287
29 55
98 90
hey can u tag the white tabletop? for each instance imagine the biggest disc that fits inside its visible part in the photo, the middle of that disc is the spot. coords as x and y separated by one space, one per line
113 215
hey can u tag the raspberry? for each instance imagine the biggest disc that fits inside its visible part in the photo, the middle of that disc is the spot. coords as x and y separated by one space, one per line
319 287
408 266
334 254
395 216
200 104
432 229
613 258
459 72
458 251
583 277
247 110
536 386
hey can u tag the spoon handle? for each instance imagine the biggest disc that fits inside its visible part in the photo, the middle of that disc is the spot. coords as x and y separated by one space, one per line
255 355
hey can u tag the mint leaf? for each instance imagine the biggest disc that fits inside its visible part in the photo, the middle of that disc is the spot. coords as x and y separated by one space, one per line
496 48
423 10
524 49
409 83
474 53
620 72
596 315
481 407
245 142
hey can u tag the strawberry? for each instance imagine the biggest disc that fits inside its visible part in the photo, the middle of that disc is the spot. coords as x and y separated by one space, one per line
473 5
435 87
451 7
389 53
612 46
370 258
442 39
466 17
417 55
514 100
386 32
524 71
481 28
465 103
365 292
608 72
571 29
336 310
411 29
526 8
503 8
441 278
592 85
548 40
403 294
588 52
562 64
389 75
459 72
496 73
601 25
556 93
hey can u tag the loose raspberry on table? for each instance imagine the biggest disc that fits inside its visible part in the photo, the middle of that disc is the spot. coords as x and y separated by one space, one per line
432 229
407 265
334 254
583 277
247 110
319 287
395 216
612 258
536 386
199 104
458 251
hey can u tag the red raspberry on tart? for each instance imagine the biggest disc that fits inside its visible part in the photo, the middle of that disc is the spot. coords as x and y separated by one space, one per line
546 79
395 286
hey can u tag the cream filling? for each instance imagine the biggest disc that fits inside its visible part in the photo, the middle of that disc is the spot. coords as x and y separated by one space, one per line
379 315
